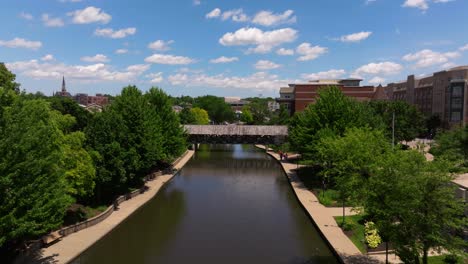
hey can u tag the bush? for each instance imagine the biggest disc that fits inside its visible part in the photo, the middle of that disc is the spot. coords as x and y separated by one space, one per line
372 236
451 259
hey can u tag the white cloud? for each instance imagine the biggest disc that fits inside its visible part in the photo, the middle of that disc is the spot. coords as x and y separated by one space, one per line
448 65
381 68
443 1
259 82
310 52
115 34
84 73
51 21
160 45
267 18
236 15
264 41
196 2
121 51
155 77
421 4
89 15
214 13
48 57
285 52
368 2
138 68
26 16
95 58
331 74
266 65
427 57
169 59
464 48
356 37
21 43
377 80
224 59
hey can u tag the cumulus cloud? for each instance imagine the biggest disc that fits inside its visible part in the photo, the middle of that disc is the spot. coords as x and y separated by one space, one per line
169 59
381 68
464 48
224 59
331 74
377 80
266 65
121 51
264 41
427 57
98 72
21 43
420 4
356 37
48 57
259 82
268 18
310 52
285 52
214 13
160 45
155 77
115 34
89 15
95 58
237 15
52 21
26 16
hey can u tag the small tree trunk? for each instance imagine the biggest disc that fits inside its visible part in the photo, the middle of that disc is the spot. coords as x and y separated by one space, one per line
386 252
424 260
343 212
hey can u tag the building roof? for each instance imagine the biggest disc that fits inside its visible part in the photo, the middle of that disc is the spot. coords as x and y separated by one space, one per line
286 90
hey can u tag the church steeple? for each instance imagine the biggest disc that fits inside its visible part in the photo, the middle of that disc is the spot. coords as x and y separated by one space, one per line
64 88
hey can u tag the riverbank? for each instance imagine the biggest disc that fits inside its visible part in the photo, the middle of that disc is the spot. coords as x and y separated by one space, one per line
323 218
71 246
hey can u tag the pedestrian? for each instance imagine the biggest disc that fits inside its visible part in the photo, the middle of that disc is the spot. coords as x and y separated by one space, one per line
286 156
281 155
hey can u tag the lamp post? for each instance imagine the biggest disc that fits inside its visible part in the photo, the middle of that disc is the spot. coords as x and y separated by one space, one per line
393 130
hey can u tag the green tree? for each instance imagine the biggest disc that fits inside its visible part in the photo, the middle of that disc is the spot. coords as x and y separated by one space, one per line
68 106
333 113
200 116
413 204
453 146
32 186
217 109
259 111
7 79
246 116
186 116
409 121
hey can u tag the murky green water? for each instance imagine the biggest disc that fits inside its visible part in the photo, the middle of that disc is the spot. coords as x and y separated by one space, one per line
229 204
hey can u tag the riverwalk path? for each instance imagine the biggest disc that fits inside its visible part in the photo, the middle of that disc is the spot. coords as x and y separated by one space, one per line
324 220
74 244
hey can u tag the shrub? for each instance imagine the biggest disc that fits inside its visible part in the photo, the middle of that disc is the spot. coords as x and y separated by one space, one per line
372 236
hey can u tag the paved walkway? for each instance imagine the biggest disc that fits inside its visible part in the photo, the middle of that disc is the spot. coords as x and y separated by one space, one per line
74 244
323 218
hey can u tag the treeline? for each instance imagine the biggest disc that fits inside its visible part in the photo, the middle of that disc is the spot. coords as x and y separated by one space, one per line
53 153
410 200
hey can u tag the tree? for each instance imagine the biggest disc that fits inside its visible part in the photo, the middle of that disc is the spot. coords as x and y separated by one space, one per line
7 79
200 116
413 204
453 146
246 116
333 113
217 109
259 111
68 106
409 121
32 186
186 116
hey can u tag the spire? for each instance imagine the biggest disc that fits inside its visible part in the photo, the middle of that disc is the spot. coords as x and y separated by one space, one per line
64 89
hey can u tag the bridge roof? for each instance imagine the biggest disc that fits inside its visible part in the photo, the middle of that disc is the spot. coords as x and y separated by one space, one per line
237 130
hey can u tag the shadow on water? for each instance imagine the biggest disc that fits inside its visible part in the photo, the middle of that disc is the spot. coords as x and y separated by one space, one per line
229 204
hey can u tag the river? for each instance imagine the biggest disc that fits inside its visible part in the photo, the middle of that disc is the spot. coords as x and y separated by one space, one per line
229 204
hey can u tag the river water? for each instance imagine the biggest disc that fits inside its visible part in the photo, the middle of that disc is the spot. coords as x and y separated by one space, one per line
229 204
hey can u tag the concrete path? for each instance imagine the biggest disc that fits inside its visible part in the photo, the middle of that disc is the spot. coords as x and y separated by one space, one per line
323 218
74 244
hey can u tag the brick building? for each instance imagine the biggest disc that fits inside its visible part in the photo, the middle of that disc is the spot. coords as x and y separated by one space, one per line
444 94
297 97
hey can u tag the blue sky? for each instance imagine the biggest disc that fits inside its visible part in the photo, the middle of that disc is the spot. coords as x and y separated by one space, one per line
225 47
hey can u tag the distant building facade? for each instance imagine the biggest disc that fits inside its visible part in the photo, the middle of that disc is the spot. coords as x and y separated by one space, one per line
236 103
63 92
444 94
297 97
83 98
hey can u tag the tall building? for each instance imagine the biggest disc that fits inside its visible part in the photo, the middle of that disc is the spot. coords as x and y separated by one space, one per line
63 91
297 97
443 94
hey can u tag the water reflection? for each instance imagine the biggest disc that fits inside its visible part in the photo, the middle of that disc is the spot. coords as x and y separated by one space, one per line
230 204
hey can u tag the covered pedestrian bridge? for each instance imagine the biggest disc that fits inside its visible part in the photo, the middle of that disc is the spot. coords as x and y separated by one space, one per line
236 134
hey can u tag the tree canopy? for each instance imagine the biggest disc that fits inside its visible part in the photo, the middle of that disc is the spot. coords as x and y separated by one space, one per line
217 109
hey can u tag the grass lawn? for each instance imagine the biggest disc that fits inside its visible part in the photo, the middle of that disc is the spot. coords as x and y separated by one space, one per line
91 211
354 230
328 197
313 182
440 260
